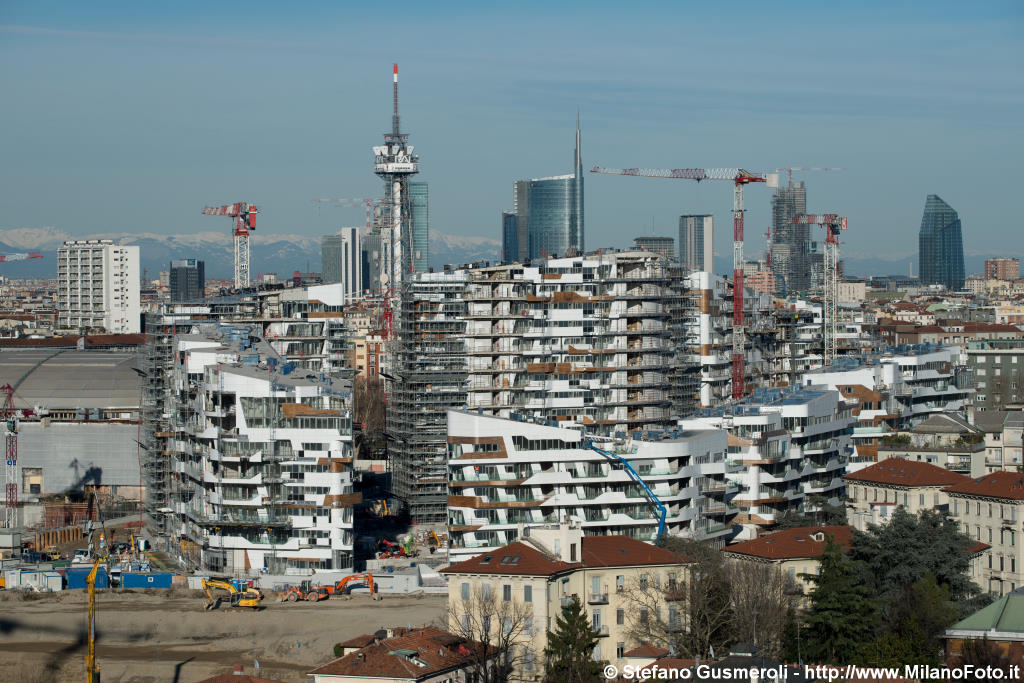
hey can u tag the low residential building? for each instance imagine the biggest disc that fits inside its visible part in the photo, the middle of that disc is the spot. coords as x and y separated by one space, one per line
796 552
998 366
989 509
999 626
873 493
506 472
531 580
790 443
419 655
944 439
1004 438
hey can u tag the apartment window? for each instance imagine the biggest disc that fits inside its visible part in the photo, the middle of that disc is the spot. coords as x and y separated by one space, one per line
528 661
527 593
990 509
620 650
990 562
620 583
486 624
643 616
977 509
1013 564
643 582
920 501
620 617
506 626
990 534
486 591
572 552
464 620
1000 563
528 626
595 618
597 653
506 593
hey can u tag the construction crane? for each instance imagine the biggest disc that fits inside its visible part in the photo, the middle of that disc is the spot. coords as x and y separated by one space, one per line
4 258
370 204
245 222
789 171
92 672
832 223
740 178
624 464
10 420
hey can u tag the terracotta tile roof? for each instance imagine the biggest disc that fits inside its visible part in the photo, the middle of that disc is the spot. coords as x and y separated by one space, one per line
978 547
903 472
236 678
994 485
418 654
519 558
358 641
647 651
793 543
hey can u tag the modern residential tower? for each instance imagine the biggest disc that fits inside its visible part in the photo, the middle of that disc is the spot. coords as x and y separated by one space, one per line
941 245
98 286
697 242
342 260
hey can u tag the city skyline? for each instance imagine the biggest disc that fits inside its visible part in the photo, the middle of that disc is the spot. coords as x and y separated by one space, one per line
132 116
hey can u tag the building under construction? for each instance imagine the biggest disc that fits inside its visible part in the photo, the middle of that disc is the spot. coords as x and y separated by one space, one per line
427 375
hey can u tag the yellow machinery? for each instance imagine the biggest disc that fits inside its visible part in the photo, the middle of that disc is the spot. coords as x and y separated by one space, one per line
92 672
247 598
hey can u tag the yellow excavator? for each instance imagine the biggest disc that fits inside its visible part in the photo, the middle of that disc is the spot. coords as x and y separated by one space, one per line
249 597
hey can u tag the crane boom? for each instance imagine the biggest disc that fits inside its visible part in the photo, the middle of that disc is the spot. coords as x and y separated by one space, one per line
651 496
739 177
4 258
245 222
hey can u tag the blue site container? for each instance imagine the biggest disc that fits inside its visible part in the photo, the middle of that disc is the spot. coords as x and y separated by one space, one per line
76 578
146 579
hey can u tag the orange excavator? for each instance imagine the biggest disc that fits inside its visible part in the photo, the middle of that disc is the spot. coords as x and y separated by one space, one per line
345 585
304 591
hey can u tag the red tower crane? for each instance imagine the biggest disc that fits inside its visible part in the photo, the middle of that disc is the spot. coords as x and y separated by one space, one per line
740 178
4 258
10 421
245 222
832 223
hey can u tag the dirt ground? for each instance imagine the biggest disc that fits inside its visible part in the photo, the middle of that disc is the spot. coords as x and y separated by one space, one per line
150 636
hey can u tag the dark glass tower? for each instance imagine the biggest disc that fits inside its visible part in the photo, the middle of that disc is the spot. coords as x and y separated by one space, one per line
941 245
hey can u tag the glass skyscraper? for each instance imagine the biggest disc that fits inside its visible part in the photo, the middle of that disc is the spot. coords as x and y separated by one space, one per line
419 204
548 215
941 245
697 242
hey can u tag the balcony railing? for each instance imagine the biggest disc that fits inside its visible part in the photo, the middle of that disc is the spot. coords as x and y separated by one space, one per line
598 598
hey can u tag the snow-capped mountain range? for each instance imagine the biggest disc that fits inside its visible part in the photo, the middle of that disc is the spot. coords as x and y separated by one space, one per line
271 253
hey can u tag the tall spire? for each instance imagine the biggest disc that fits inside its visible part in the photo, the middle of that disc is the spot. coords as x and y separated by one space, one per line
394 116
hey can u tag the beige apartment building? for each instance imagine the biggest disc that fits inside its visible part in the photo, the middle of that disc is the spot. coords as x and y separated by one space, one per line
874 493
522 587
989 509
796 552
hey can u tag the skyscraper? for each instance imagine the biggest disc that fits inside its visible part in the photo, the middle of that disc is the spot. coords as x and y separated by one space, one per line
342 260
98 286
791 244
941 245
187 279
419 204
548 213
697 242
509 237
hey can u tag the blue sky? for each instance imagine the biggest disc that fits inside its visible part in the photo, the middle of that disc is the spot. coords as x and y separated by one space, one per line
123 116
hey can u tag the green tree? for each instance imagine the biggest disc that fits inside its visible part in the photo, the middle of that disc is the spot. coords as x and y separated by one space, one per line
842 616
896 555
916 622
570 652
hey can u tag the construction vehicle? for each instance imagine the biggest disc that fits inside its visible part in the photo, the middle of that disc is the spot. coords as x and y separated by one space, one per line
632 473
387 550
51 554
346 584
305 591
92 672
250 597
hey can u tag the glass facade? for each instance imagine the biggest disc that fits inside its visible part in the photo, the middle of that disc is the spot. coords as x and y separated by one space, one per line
509 238
330 258
696 242
941 245
187 280
419 196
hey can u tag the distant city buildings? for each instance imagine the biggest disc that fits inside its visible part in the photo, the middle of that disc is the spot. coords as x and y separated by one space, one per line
658 245
98 286
697 242
419 204
998 366
941 252
187 280
548 215
1002 269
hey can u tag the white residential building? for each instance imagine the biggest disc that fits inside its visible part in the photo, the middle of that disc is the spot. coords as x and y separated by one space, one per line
506 472
790 443
262 458
98 286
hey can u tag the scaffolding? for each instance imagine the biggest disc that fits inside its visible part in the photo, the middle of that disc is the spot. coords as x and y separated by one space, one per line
427 363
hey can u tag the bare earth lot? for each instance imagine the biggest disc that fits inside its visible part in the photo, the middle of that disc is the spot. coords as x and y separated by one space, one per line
150 636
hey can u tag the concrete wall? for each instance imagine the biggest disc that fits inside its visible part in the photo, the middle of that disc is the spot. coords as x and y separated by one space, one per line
72 455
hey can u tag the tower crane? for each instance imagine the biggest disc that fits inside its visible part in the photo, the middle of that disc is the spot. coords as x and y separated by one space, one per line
4 258
740 178
10 420
832 223
245 222
789 171
370 204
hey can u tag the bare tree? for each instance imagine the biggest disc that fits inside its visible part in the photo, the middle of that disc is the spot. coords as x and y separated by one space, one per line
369 409
504 627
762 597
